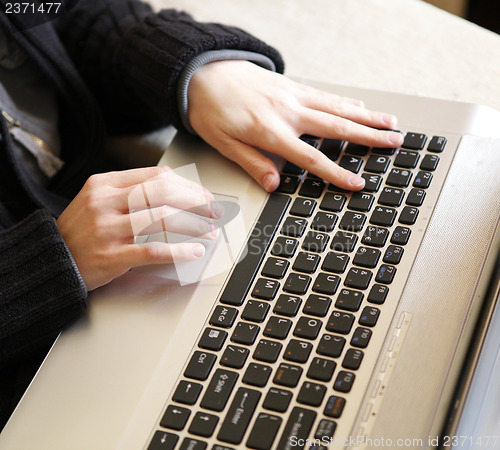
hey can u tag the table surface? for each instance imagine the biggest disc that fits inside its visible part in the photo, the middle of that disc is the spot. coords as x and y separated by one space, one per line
405 46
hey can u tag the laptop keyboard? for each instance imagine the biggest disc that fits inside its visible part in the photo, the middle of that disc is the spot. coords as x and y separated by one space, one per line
277 362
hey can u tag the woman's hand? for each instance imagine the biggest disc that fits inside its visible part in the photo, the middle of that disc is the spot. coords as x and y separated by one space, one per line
100 224
236 106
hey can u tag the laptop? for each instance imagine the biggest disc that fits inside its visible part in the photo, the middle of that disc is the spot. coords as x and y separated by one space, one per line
321 319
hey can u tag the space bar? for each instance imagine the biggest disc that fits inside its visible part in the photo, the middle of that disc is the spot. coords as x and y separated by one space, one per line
262 235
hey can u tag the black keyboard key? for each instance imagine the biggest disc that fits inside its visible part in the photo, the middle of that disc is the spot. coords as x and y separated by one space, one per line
297 351
307 328
334 406
326 283
375 236
315 242
257 374
175 417
343 242
387 151
294 227
333 202
372 182
324 221
203 424
287 305
297 428
415 197
408 216
414 141
436 144
234 356
239 415
351 163
306 262
312 187
326 429
399 178
223 316
267 351
311 393
317 305
212 339
331 345
366 257
187 392
352 359
383 216
275 268
285 247
377 164
288 184
341 322
264 432
163 441
332 148
422 180
219 390
310 139
393 254
358 278
192 444
349 300
353 222
287 375
200 365
378 294
356 149
293 169
430 163
344 381
265 289
335 262
277 400
246 269
297 283
406 159
361 337
245 333
400 236
361 201
385 274
277 327
369 316
391 196
321 369
303 207
255 311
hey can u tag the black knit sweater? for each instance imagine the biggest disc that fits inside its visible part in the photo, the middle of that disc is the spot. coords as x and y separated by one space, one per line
115 65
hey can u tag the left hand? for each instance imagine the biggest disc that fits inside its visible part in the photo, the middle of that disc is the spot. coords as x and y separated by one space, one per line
237 106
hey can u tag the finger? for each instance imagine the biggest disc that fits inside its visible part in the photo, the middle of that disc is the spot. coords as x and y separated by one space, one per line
259 167
161 253
330 126
157 220
131 177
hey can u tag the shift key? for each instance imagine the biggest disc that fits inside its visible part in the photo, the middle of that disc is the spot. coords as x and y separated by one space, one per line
219 390
297 429
239 415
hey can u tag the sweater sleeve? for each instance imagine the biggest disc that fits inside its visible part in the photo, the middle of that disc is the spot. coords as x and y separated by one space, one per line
132 57
41 290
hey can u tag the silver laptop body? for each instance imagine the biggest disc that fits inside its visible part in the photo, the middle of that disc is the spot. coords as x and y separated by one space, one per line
109 379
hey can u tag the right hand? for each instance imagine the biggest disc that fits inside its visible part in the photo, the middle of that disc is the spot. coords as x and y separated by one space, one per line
100 224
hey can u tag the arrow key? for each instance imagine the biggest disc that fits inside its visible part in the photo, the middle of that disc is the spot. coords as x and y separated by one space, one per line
175 417
203 424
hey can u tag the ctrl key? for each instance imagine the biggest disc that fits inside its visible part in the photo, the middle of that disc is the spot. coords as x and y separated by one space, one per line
163 441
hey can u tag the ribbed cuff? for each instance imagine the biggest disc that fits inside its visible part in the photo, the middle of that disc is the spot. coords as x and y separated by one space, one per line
208 57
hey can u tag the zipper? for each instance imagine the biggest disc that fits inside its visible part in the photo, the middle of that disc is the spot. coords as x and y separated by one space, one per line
48 162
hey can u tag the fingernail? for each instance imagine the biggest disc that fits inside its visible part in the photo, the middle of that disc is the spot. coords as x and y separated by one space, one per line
395 138
198 250
356 181
269 182
217 210
390 120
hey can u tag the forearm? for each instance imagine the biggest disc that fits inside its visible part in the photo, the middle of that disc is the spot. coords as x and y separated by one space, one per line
41 291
